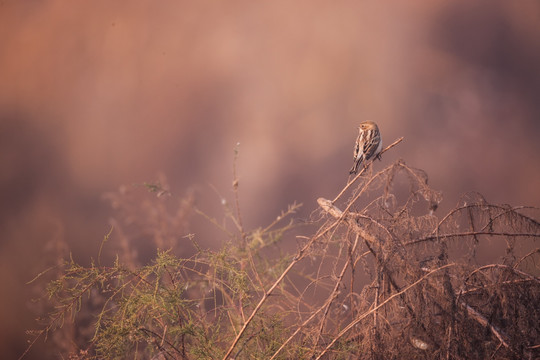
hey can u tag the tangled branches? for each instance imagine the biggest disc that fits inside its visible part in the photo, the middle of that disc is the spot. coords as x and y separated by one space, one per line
381 278
428 295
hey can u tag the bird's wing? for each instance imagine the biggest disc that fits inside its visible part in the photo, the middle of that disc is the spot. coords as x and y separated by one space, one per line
371 142
358 147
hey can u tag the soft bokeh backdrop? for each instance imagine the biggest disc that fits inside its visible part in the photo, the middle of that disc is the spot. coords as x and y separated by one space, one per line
98 94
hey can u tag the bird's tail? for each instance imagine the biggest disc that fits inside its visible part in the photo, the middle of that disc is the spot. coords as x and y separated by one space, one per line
355 166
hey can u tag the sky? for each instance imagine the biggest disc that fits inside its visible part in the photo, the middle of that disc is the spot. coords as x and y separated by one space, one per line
99 95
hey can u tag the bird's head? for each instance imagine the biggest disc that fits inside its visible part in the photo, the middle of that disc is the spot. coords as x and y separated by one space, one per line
368 125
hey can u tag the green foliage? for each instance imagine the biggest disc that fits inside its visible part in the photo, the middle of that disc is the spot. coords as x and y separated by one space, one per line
173 307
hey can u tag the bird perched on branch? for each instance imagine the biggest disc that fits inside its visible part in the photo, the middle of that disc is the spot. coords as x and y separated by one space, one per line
368 145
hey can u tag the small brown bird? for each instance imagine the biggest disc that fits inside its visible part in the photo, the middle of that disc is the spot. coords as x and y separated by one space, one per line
368 145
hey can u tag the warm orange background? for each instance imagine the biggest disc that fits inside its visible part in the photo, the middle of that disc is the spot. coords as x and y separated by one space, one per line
96 94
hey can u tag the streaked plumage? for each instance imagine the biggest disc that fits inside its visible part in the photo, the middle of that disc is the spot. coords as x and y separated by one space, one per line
368 145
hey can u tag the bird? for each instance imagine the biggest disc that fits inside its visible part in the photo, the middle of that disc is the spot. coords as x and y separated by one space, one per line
368 145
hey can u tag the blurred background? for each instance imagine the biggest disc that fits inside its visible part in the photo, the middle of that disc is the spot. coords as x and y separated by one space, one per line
96 95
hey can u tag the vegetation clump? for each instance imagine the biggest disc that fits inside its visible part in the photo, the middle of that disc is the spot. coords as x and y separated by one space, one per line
382 277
